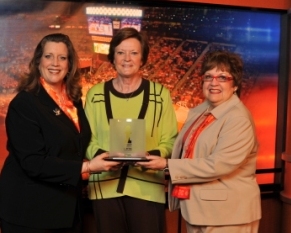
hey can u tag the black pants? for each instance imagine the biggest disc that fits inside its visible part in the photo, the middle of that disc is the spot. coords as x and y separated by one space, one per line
128 215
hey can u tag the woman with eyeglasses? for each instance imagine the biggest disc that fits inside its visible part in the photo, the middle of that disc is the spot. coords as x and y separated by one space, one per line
213 163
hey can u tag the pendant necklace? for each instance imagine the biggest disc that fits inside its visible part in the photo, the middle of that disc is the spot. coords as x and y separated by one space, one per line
127 96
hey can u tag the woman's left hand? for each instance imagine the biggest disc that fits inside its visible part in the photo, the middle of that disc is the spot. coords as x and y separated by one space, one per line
155 163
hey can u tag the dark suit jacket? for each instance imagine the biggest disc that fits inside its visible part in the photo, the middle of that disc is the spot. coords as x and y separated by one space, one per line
40 183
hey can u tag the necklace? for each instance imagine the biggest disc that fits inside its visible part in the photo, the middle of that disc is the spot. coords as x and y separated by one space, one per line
127 96
126 93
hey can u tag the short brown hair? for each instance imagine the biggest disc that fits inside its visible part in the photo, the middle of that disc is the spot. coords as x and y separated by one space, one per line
126 33
226 61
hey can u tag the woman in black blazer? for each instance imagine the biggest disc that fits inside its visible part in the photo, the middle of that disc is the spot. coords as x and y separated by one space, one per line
47 130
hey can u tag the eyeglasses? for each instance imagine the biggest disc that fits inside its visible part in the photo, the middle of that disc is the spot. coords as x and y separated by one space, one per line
220 78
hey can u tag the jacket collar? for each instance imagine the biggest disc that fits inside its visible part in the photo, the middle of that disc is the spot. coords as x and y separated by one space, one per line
221 109
218 111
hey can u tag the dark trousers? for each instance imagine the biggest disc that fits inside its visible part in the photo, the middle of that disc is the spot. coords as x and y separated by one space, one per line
128 215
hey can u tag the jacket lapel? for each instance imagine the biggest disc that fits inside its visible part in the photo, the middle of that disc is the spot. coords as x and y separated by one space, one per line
55 110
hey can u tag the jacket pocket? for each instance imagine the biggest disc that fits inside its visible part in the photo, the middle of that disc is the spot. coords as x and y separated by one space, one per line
213 194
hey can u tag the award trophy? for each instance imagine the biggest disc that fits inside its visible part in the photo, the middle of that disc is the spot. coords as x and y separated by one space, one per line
127 140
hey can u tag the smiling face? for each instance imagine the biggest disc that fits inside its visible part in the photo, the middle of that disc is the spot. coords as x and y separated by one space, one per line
128 58
54 63
218 92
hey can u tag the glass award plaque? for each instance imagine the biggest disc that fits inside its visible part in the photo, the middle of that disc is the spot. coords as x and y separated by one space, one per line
127 140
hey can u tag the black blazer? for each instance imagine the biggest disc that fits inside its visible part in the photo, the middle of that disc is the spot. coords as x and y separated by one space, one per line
40 183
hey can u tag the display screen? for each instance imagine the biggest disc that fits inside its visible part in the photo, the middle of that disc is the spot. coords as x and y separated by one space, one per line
131 22
100 25
102 48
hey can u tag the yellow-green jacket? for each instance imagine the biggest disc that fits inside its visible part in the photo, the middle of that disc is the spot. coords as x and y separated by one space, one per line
103 102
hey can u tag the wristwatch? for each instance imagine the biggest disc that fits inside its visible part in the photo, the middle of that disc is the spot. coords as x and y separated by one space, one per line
166 169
